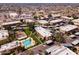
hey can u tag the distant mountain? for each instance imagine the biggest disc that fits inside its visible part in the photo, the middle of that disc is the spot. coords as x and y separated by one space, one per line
40 4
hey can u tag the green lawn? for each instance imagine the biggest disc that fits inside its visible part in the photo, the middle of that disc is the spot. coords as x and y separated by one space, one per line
33 35
36 38
27 31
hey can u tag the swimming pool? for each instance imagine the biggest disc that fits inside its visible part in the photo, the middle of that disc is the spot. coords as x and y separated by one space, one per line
27 43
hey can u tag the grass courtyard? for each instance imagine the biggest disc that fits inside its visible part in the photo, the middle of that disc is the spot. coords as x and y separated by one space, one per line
33 35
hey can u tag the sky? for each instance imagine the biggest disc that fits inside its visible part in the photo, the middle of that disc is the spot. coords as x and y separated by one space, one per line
39 1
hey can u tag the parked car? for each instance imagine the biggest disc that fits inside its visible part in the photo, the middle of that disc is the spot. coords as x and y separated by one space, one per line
73 36
49 42
77 33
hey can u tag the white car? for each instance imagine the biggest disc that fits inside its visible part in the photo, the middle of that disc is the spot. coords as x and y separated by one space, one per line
77 33
72 36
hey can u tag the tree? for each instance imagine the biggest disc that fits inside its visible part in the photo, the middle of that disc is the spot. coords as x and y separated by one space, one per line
58 37
20 11
49 16
31 26
33 13
35 17
22 21
30 52
74 16
70 22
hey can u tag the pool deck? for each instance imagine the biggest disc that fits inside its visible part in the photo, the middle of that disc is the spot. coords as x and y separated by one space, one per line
32 42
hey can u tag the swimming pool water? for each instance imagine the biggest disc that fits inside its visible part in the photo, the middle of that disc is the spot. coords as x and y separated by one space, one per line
27 43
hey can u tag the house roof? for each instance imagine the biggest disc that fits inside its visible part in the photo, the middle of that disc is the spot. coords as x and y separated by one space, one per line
42 21
8 46
42 31
75 42
60 50
68 28
75 20
13 14
65 17
3 34
12 22
56 21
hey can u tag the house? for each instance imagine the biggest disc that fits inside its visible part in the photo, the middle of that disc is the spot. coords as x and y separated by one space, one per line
46 16
20 35
29 21
56 15
69 29
59 50
75 42
9 46
42 22
55 22
66 18
40 13
11 23
22 16
54 12
3 36
76 22
13 15
43 33
26 16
